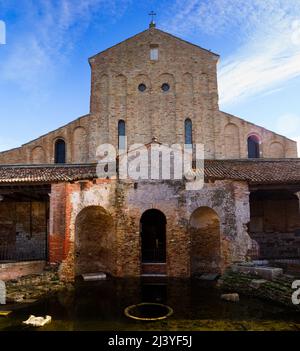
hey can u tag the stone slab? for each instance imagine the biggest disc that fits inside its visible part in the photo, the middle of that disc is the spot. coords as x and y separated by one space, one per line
15 270
268 273
94 276
233 297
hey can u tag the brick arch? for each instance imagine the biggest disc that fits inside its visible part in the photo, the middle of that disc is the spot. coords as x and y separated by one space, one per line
139 122
153 233
121 84
188 83
165 114
166 78
38 155
232 141
276 150
80 147
188 92
142 78
95 241
205 236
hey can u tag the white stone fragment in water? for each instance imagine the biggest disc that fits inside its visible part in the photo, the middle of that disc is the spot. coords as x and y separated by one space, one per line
2 293
37 321
234 297
94 276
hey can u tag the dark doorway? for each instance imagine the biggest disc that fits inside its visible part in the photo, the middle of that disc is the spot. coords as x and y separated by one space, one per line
153 235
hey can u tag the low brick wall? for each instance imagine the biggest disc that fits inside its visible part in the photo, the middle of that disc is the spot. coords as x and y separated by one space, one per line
278 290
15 270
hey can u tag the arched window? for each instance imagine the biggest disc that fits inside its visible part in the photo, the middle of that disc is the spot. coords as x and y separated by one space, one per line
121 134
253 146
188 132
60 151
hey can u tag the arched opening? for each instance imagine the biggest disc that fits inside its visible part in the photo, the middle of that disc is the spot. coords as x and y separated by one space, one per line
276 150
188 132
60 151
153 236
275 223
232 141
253 146
38 155
121 134
205 241
95 241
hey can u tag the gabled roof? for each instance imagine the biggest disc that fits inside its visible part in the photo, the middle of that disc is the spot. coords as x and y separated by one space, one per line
253 171
154 29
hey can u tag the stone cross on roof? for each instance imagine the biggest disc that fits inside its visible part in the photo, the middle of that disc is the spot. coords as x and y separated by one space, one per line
152 23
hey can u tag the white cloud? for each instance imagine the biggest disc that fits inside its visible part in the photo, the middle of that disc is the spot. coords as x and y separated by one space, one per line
49 31
268 38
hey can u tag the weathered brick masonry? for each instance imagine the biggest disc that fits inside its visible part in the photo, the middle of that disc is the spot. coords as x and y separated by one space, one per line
191 73
95 224
115 209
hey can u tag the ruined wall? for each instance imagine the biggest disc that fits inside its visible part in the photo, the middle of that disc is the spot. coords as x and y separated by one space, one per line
275 225
58 226
125 202
205 253
23 230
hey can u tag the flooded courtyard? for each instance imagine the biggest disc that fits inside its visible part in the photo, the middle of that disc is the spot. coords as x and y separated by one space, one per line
99 306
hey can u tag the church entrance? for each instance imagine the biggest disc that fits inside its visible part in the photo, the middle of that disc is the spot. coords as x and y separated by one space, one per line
153 236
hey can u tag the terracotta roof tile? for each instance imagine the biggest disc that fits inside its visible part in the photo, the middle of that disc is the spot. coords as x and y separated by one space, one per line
284 171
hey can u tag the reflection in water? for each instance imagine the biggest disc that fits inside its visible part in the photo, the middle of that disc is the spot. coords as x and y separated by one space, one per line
197 306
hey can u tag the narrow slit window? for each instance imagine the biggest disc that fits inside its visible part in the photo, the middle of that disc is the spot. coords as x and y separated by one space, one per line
121 134
188 132
253 147
60 151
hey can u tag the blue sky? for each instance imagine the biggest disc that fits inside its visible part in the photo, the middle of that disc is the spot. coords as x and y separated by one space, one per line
45 76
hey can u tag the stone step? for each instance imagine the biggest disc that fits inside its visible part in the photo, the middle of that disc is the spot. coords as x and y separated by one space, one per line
154 268
268 273
94 276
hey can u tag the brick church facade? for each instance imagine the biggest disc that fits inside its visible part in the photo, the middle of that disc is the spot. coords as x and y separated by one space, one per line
151 88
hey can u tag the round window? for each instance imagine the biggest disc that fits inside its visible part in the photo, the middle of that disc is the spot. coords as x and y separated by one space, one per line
165 87
142 87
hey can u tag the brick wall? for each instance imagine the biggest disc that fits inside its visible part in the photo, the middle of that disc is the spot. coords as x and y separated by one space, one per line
116 74
118 250
57 222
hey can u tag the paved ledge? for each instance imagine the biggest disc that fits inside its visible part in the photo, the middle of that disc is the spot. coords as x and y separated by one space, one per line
268 273
15 270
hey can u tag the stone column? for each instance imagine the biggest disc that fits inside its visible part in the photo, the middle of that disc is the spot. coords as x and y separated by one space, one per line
2 293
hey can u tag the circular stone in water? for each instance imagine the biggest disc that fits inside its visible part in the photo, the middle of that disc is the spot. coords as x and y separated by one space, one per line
148 311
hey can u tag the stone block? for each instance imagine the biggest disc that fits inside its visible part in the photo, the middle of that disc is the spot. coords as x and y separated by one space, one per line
268 273
233 297
94 276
